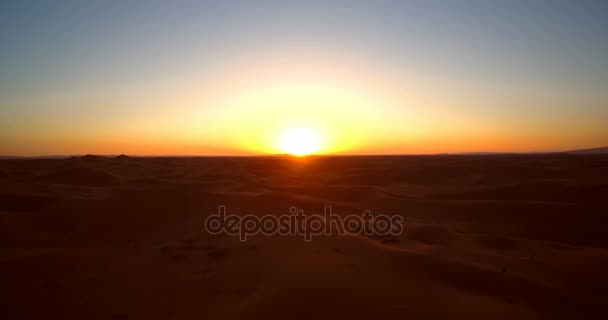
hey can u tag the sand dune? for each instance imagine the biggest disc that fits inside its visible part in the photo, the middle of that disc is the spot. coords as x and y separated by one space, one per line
513 236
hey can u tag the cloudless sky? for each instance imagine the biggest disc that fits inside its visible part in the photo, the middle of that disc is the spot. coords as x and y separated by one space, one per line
226 77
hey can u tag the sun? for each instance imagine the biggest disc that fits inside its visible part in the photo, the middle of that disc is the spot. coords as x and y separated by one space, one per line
299 141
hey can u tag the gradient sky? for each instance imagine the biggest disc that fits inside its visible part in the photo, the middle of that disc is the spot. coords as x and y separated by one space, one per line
226 77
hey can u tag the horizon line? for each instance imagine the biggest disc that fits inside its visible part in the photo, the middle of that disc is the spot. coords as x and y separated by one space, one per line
311 155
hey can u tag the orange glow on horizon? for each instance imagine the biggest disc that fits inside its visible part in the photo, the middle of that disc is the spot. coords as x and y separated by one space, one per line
245 109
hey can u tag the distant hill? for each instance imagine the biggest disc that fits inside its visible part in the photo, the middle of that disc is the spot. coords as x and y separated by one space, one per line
602 150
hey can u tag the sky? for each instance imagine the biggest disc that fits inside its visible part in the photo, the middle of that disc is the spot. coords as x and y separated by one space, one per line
369 77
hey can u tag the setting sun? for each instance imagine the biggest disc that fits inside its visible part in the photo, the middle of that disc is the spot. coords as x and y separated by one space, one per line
299 141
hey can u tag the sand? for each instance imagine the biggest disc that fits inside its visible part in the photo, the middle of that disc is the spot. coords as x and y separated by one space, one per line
496 236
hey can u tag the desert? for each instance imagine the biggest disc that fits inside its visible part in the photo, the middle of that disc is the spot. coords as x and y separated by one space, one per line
485 236
303 159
